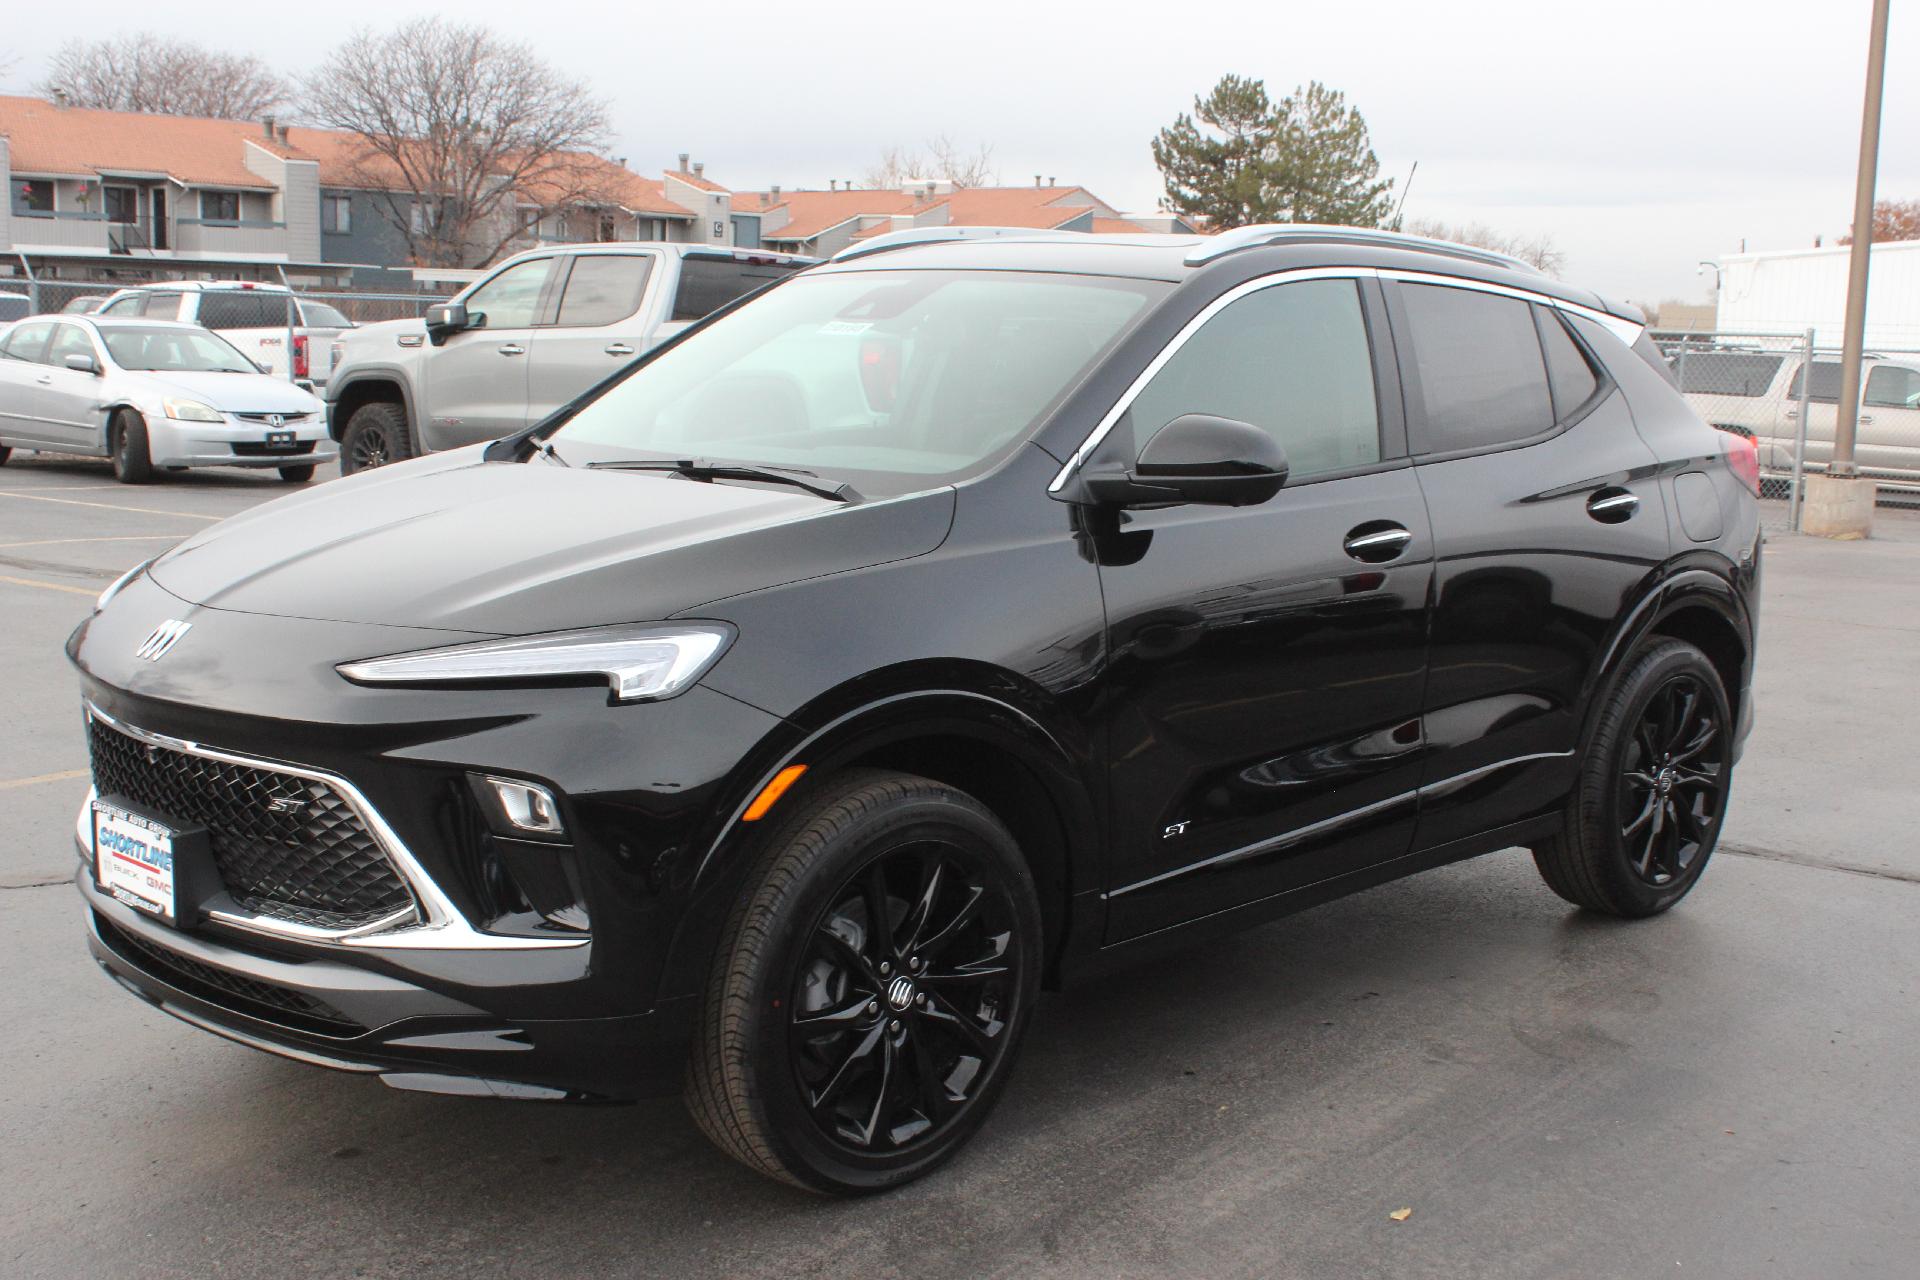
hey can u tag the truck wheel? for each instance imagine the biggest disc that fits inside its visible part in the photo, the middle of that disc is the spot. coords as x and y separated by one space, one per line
5 453
127 441
376 434
297 475
870 992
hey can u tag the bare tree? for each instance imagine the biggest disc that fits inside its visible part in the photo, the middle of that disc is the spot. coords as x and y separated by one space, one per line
464 136
942 158
161 76
1537 250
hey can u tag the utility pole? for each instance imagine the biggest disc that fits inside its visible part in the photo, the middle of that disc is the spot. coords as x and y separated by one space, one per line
1847 418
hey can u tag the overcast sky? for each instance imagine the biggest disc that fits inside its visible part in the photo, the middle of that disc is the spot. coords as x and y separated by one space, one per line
1642 137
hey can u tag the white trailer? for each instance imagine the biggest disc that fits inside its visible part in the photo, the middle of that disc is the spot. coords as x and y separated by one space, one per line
1790 290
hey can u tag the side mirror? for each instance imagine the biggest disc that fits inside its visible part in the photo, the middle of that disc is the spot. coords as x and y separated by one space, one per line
1202 459
445 319
83 364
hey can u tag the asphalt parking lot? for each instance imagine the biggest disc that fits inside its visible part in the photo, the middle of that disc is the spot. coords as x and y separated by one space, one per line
1724 1091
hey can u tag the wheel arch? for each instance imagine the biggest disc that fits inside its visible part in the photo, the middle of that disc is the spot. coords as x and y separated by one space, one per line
372 386
1699 605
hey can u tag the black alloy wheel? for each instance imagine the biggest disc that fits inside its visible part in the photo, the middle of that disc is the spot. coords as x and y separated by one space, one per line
376 435
871 989
1652 791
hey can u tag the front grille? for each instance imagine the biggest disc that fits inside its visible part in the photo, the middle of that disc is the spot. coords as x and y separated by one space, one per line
310 860
268 1001
286 419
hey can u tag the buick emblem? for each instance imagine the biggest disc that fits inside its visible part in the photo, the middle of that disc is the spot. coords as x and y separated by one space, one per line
900 992
161 639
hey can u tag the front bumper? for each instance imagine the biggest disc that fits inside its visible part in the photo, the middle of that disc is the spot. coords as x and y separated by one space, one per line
239 443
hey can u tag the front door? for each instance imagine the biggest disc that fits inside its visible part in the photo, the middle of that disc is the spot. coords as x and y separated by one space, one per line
476 382
1888 438
70 398
1262 701
596 331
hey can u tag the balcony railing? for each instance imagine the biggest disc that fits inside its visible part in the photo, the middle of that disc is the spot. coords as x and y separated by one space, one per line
211 235
66 228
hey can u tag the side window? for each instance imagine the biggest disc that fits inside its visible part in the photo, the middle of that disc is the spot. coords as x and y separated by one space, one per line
1482 378
27 341
510 299
1292 360
127 306
1569 374
162 306
1826 382
707 284
603 288
1891 387
68 340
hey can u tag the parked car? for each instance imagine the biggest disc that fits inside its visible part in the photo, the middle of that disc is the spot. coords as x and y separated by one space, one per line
85 305
152 394
251 316
514 346
14 306
1757 393
945 621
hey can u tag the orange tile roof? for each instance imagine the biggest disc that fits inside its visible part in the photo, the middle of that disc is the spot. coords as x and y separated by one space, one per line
695 180
44 138
1036 207
811 212
1115 226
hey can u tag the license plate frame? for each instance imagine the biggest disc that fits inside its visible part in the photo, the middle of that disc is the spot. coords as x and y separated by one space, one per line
134 860
279 439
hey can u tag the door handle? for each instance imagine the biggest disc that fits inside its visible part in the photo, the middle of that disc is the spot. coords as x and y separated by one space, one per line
45 379
618 349
1791 414
512 349
1865 419
1613 505
1377 542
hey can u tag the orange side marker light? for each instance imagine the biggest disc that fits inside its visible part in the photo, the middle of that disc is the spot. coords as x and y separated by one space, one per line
771 793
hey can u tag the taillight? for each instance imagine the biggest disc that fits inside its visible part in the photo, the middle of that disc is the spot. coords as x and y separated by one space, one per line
300 355
880 371
1743 458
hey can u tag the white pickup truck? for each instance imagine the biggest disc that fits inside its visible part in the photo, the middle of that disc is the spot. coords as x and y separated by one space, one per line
253 317
523 340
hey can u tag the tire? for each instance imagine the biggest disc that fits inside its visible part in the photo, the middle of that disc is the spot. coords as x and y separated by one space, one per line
376 434
1652 792
811 1106
127 441
297 475
6 451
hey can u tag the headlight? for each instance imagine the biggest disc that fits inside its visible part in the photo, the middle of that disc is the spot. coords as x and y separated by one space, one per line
122 581
190 410
640 663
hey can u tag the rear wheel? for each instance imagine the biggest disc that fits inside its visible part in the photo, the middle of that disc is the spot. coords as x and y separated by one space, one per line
5 453
297 475
870 994
376 434
127 439
1653 789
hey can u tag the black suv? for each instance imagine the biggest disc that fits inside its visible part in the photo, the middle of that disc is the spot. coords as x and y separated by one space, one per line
944 621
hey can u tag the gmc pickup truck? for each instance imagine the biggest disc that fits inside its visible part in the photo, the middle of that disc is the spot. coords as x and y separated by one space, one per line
523 340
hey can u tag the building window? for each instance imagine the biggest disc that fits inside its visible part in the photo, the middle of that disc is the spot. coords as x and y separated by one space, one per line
220 206
336 214
123 205
32 195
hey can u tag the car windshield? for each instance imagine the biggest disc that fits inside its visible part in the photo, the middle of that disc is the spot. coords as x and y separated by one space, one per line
158 350
887 379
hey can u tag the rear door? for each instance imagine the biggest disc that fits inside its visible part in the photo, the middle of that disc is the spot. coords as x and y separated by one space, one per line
475 383
1548 519
599 317
22 379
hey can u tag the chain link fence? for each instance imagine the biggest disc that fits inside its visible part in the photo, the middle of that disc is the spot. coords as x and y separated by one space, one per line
1757 385
359 307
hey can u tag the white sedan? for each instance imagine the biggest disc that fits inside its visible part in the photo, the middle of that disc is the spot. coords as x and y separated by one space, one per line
152 394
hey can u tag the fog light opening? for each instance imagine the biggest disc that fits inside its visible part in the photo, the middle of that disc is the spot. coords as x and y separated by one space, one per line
527 806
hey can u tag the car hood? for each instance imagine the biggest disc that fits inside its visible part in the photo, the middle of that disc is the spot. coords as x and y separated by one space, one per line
234 392
453 542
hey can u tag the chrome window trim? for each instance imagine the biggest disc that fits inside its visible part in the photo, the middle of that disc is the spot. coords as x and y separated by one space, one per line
444 927
1180 339
1626 330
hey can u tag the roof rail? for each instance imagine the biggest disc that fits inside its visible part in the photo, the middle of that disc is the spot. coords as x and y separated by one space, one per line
1237 238
936 235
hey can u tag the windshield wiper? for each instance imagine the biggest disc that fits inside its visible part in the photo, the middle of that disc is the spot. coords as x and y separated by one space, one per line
696 469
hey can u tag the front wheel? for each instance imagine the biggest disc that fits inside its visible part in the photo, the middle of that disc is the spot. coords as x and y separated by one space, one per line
376 434
5 453
132 457
870 994
1653 789
297 475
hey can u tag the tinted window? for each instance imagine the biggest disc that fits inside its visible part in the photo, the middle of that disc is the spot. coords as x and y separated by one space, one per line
242 309
707 284
1891 387
68 340
27 341
162 306
509 299
1826 382
603 289
13 306
322 316
1726 373
1568 372
127 306
1292 360
1482 378
220 206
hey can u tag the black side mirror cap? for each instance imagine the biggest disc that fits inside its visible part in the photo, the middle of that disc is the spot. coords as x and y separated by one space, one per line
1198 458
446 318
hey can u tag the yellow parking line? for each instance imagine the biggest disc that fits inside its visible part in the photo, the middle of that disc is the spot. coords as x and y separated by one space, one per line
65 775
105 506
48 586
130 537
